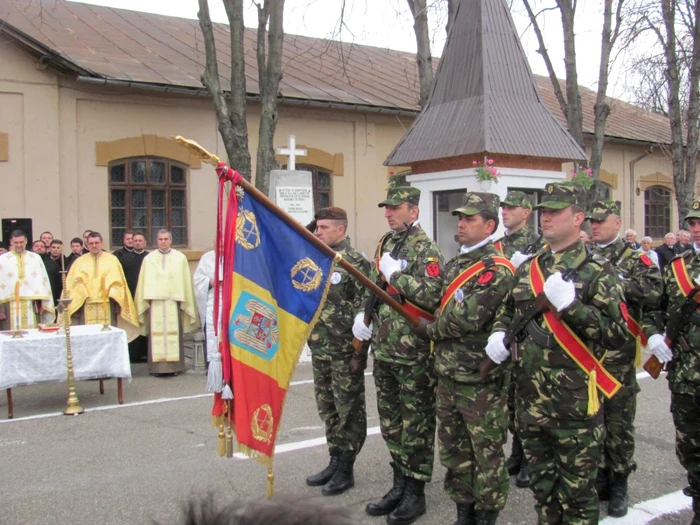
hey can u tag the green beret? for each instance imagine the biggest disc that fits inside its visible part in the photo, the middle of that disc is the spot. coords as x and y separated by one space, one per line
332 213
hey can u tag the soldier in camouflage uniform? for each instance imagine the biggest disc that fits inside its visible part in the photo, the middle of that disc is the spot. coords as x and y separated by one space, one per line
516 244
404 369
643 287
684 369
559 421
340 393
471 411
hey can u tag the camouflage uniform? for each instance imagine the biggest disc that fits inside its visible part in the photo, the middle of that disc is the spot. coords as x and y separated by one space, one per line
472 420
561 440
642 286
340 394
404 370
684 373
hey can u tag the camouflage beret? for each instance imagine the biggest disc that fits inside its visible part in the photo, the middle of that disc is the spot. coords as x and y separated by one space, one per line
558 195
517 198
694 212
332 213
400 194
601 209
474 202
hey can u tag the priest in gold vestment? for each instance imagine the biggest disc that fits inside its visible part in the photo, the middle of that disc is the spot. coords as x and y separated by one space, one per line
166 306
98 290
24 287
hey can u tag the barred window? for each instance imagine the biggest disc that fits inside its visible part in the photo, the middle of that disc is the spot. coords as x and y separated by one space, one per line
323 193
657 211
147 194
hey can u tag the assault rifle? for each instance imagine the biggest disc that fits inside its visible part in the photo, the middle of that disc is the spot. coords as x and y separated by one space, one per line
674 329
373 302
533 309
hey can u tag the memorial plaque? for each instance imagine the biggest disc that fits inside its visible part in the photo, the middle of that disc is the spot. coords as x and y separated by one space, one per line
297 201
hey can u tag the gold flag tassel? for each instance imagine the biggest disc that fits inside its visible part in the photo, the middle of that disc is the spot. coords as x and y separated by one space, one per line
593 401
270 483
229 431
221 444
638 353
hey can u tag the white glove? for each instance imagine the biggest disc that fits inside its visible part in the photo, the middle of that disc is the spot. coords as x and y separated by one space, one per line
359 330
560 293
388 266
697 280
518 259
495 348
657 345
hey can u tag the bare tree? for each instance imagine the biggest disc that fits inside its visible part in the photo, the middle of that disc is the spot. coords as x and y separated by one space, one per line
419 10
231 110
570 102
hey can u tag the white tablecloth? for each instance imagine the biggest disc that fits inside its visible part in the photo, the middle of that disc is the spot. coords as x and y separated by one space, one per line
39 357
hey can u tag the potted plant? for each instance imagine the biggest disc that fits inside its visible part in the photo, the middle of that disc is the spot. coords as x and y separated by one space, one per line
486 173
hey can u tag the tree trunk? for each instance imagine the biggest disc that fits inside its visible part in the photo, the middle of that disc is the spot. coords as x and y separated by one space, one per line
685 199
230 118
451 7
574 113
269 74
425 61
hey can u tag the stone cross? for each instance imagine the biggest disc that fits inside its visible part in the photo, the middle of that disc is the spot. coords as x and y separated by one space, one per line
291 152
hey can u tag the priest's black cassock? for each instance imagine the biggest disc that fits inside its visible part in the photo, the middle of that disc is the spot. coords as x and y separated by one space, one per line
131 264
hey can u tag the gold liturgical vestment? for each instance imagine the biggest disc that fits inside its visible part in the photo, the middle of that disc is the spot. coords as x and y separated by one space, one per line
25 289
91 283
166 308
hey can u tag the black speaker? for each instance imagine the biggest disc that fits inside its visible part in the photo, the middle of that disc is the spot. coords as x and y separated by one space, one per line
10 225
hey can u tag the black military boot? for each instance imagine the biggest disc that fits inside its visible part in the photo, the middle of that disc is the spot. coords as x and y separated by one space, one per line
618 496
602 484
326 474
523 478
343 479
516 457
412 504
391 499
486 517
466 515
696 512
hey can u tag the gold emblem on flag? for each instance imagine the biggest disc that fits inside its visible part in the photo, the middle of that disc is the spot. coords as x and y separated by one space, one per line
261 425
306 275
247 232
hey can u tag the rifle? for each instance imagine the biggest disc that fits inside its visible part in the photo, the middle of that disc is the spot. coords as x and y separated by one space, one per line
373 301
673 331
530 248
536 307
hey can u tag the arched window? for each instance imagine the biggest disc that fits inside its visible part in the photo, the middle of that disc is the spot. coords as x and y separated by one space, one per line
323 192
145 195
657 211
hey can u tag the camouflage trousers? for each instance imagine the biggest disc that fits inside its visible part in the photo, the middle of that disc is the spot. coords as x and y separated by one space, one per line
512 387
685 409
340 398
563 464
619 412
406 406
472 430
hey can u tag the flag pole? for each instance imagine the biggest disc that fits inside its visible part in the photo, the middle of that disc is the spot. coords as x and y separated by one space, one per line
212 159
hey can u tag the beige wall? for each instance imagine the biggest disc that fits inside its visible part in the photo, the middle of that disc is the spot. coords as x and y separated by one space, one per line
52 173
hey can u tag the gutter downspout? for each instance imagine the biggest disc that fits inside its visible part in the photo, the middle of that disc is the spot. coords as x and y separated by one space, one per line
632 182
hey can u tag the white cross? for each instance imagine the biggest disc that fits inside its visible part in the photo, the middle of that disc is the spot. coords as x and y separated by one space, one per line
291 152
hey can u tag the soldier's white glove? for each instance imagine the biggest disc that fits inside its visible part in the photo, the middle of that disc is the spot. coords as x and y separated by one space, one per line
495 348
389 266
518 259
697 280
657 345
359 330
560 293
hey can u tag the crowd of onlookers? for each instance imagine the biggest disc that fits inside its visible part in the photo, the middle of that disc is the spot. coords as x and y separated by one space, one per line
674 243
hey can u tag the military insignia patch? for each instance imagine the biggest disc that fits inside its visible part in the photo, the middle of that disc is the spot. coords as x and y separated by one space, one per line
459 296
335 278
696 205
485 277
429 260
623 311
433 269
550 189
646 260
306 275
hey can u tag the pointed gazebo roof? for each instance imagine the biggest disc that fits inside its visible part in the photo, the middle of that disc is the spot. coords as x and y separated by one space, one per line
484 99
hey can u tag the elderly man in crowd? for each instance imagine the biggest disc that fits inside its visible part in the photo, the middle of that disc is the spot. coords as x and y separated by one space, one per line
631 238
666 251
647 249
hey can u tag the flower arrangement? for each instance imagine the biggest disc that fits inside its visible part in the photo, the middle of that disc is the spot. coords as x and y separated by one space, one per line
486 171
583 177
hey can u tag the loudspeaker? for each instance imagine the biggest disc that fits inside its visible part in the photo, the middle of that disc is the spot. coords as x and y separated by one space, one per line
10 225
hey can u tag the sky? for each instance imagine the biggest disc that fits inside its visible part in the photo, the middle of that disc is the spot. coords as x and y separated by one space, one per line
388 24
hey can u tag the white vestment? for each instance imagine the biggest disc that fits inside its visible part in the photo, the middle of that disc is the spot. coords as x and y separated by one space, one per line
25 288
204 295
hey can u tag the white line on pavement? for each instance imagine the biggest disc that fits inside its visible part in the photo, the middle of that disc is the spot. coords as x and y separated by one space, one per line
309 381
298 445
647 511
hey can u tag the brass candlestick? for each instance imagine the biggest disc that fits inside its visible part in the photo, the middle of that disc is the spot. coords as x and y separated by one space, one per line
73 407
105 306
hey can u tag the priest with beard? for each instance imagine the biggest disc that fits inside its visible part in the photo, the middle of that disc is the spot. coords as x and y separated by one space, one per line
131 257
